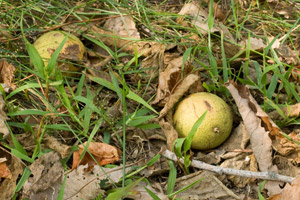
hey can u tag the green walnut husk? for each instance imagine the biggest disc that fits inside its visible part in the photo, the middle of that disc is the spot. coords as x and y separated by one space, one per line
216 126
73 50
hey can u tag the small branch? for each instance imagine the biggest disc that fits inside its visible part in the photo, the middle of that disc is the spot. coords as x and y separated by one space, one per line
272 176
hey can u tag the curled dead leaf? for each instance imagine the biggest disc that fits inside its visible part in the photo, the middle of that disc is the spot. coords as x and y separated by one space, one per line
291 191
4 171
260 127
122 26
7 73
103 153
170 78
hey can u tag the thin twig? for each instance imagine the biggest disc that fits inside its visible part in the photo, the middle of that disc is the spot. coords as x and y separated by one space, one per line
272 176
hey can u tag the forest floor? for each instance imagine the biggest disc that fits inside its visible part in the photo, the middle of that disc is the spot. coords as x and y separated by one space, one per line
89 90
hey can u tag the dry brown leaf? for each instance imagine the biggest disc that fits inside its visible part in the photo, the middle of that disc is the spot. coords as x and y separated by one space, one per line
286 166
122 26
166 124
182 88
241 162
48 175
209 188
237 140
128 44
3 128
259 137
88 183
7 73
200 18
218 12
259 126
139 192
289 111
103 153
256 44
53 143
8 185
170 78
4 171
171 87
291 192
288 148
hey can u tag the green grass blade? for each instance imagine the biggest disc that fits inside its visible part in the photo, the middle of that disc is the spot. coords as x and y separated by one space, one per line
224 61
16 143
137 98
185 188
29 112
61 192
116 86
130 95
178 146
154 196
80 85
190 136
22 156
25 176
148 164
185 57
101 44
52 62
122 192
276 107
259 75
23 87
260 188
36 60
136 121
34 56
88 102
272 86
172 177
210 15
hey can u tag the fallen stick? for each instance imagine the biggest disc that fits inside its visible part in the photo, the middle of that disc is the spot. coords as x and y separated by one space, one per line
271 176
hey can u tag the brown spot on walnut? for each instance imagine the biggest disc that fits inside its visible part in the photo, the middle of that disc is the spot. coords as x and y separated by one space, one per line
72 52
208 105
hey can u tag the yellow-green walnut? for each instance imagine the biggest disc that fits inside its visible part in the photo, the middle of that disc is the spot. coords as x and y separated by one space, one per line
216 126
73 50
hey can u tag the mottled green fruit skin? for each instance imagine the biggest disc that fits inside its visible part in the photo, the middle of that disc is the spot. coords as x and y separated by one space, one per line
216 126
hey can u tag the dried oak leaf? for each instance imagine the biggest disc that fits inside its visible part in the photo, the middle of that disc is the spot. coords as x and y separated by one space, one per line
170 77
173 84
7 73
209 188
4 171
8 184
200 17
3 128
88 184
171 134
241 162
260 127
291 191
47 177
122 26
103 153
126 43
